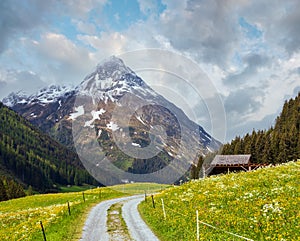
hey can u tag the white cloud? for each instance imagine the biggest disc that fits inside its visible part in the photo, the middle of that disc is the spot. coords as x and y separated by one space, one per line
80 8
209 31
148 7
107 43
60 60
84 27
15 80
281 83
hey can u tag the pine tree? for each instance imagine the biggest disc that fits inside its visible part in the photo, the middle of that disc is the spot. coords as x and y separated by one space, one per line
196 168
30 191
238 146
14 190
3 194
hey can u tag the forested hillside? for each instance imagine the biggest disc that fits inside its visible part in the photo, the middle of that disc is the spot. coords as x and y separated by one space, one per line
33 158
279 144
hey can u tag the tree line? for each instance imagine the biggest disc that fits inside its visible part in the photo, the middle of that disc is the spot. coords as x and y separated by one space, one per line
279 144
10 189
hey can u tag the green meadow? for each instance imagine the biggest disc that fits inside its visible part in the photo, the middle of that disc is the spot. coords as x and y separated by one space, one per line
258 205
20 218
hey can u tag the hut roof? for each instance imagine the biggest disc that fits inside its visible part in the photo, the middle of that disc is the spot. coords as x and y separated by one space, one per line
231 160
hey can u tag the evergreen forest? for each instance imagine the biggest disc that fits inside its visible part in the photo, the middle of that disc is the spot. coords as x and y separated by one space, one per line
279 144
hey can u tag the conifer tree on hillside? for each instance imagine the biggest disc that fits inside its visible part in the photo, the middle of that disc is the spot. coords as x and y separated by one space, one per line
195 168
14 190
34 158
3 194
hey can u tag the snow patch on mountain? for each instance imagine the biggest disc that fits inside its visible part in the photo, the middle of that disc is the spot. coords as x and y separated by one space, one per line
112 126
95 115
135 144
79 112
140 120
33 115
99 133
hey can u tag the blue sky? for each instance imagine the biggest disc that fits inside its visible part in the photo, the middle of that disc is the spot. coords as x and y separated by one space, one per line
248 49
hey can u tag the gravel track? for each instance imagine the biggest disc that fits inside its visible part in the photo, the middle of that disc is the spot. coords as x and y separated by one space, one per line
138 229
95 228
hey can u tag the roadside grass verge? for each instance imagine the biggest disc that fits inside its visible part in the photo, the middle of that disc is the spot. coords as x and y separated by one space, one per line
259 205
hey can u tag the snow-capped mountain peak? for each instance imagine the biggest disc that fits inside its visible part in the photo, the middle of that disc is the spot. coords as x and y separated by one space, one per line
121 99
113 67
51 93
110 80
45 95
15 98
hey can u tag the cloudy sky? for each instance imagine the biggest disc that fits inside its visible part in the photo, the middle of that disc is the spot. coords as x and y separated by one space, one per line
249 49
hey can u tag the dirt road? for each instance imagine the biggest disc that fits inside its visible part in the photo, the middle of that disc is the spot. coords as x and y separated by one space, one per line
95 228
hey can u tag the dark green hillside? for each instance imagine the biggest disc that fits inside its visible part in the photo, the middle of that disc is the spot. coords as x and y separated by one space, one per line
279 144
35 159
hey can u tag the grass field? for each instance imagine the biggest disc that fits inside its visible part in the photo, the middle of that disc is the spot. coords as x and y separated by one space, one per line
20 218
140 188
259 205
65 189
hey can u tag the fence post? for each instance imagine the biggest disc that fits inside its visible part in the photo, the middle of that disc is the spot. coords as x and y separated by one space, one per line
43 230
83 197
145 196
69 209
163 208
153 203
197 224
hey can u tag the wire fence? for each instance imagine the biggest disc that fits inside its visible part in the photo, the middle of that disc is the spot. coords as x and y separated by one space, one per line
166 208
38 226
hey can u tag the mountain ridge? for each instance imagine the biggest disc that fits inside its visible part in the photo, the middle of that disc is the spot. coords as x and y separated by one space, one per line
106 87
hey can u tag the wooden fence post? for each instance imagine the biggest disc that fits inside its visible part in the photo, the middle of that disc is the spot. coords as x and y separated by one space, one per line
163 208
69 209
153 203
197 224
83 197
43 230
145 196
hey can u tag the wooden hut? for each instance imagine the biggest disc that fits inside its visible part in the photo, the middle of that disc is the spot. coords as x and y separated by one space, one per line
229 163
